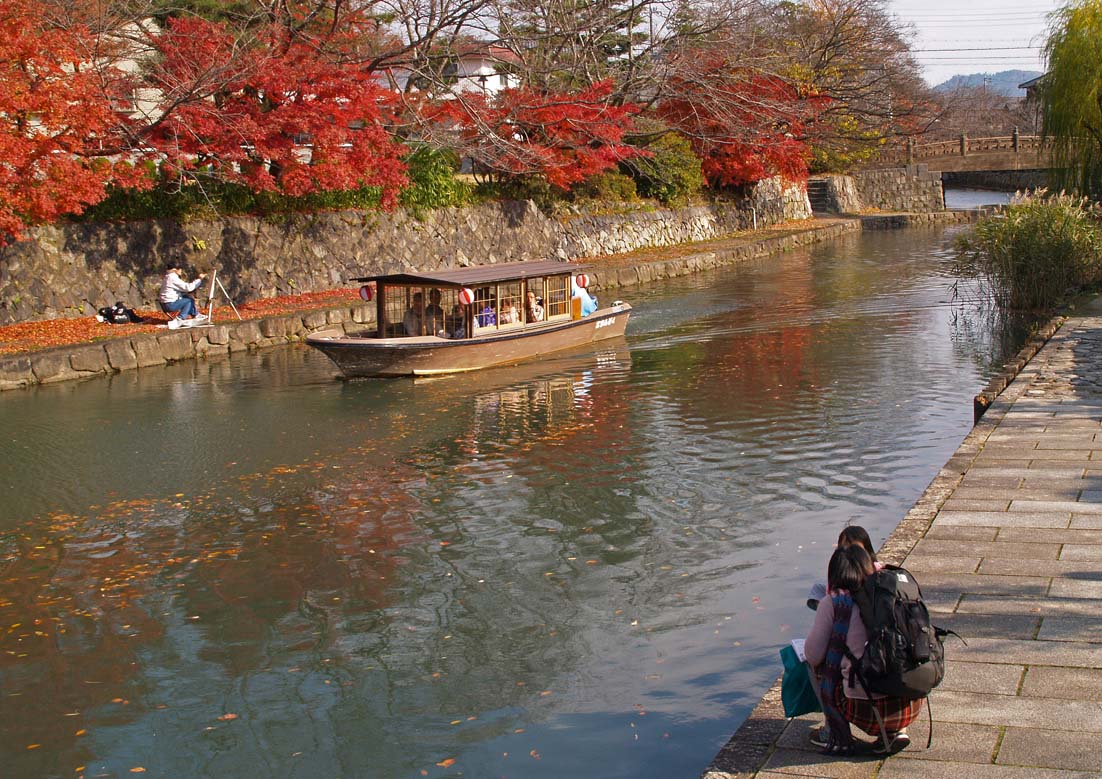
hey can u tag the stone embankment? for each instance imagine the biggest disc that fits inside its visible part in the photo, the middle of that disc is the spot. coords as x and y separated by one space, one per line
1007 541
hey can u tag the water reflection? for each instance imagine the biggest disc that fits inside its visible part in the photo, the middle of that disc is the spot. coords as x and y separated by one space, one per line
578 566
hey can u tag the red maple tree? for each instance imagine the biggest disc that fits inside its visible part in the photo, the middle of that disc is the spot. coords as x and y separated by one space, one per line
282 107
746 126
565 137
56 120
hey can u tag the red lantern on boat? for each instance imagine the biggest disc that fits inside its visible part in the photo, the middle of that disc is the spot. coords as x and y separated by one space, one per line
367 292
581 280
466 296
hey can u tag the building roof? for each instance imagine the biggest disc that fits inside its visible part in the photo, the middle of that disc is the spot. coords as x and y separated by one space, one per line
478 275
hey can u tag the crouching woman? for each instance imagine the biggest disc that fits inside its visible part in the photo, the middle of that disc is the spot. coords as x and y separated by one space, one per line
838 627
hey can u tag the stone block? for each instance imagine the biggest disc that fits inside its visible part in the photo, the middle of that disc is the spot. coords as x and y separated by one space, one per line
15 372
1071 628
275 327
1082 551
175 346
918 562
219 334
52 366
247 333
985 549
203 347
314 320
120 355
90 358
147 352
1022 627
788 761
948 769
363 315
337 316
1055 520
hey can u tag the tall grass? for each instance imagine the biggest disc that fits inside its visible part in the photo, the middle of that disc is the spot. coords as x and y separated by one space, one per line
1039 250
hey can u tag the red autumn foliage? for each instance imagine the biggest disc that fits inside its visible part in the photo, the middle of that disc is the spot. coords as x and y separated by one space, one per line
564 137
284 109
745 126
32 336
55 116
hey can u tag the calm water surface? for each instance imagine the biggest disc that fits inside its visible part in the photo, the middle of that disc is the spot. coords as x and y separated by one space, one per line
974 198
584 567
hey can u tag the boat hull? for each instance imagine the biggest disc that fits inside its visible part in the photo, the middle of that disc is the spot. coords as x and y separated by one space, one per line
428 356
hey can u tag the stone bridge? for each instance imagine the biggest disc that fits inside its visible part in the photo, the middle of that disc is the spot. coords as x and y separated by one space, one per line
1010 152
1007 162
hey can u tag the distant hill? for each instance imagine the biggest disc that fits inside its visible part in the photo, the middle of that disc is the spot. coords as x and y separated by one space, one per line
1004 82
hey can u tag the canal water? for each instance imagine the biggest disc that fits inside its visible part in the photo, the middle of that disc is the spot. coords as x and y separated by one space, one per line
582 567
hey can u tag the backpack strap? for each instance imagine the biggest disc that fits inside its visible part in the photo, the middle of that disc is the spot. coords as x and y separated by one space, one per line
855 673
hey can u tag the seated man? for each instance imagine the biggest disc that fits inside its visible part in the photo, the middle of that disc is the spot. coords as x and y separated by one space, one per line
434 315
175 295
533 311
414 319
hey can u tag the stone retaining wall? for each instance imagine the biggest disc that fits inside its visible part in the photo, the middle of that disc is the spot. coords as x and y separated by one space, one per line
913 189
148 349
72 270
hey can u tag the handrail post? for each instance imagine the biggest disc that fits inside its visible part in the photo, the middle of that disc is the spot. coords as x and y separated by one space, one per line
963 145
911 150
1016 138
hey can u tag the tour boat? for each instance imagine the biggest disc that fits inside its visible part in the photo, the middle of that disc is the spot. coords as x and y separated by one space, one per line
465 319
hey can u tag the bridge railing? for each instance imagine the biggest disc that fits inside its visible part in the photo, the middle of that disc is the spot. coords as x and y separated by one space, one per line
964 146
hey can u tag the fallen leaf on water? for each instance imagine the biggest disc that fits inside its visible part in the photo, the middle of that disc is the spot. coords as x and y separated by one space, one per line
446 762
33 746
535 754
137 770
227 717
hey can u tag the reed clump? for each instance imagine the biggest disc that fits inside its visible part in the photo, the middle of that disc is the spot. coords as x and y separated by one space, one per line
1041 248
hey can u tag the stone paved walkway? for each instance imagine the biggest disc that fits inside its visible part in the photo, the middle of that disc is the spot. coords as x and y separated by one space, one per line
1013 562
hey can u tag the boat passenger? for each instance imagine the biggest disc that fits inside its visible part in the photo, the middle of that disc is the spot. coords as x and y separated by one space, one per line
414 318
533 311
486 316
434 315
509 313
589 303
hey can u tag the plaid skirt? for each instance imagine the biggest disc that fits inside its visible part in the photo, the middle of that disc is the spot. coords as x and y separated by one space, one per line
897 713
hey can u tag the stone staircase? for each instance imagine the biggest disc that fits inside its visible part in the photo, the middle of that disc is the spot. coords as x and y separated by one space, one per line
818 192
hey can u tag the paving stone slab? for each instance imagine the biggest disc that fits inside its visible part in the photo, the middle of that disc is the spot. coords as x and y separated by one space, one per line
1074 588
953 741
1082 551
958 504
1055 520
1026 652
1086 521
1049 749
788 762
962 532
1056 628
1021 551
1056 536
906 768
974 603
1065 683
1010 710
981 584
942 563
969 626
1020 567
1055 506
994 678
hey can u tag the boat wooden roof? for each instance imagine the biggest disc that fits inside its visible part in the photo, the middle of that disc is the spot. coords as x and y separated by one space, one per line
478 275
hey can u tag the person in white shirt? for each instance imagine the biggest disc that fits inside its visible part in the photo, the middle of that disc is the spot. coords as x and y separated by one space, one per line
176 293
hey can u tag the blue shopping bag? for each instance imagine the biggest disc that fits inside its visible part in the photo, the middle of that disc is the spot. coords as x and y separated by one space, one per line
797 693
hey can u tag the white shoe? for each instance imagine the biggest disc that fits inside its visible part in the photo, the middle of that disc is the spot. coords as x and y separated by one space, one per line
175 324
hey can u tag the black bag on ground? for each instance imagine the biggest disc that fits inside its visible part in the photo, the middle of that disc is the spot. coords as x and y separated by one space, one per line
119 314
904 656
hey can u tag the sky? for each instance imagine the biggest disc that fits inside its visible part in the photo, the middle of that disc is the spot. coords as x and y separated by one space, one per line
976 36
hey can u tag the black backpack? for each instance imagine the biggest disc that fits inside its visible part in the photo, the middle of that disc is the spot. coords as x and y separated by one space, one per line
904 656
119 314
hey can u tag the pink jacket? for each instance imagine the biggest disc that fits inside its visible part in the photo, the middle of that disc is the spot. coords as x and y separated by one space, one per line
815 647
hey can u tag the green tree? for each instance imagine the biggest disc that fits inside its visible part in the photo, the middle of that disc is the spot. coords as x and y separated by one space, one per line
1072 96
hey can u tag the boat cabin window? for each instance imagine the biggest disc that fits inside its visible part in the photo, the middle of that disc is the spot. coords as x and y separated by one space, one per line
418 311
556 299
